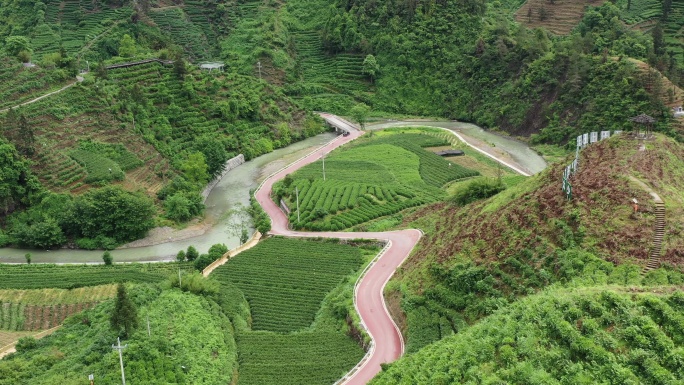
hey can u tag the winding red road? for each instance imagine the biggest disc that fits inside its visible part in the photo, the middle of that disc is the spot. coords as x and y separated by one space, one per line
388 344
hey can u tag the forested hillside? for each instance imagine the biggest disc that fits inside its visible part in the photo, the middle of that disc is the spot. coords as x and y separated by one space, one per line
164 128
468 60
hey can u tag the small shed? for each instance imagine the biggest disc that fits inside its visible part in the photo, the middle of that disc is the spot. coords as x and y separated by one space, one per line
212 66
450 153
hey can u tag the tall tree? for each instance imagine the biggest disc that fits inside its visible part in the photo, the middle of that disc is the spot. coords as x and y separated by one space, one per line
127 46
124 318
667 7
371 67
195 168
658 40
27 140
360 114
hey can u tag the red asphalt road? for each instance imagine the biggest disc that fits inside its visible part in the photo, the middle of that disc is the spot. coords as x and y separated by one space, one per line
370 303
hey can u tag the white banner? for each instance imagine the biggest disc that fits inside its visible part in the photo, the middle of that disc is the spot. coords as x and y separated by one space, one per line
593 137
605 135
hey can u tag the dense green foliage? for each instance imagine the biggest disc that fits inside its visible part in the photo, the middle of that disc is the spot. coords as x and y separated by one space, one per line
397 173
492 71
261 221
582 336
309 357
38 276
84 345
124 318
484 256
476 190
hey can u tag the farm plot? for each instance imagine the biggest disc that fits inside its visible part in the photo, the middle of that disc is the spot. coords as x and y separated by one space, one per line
184 32
21 84
316 357
285 280
74 276
375 178
39 309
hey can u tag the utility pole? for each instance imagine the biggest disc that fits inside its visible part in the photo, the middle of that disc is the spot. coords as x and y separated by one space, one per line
120 348
323 157
180 283
259 66
297 192
148 326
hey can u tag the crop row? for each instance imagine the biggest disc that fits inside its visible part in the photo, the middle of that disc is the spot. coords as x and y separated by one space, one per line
285 280
73 276
12 316
41 317
397 173
317 357
99 168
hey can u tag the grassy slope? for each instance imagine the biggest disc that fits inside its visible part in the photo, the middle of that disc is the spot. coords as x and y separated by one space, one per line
39 309
582 336
600 206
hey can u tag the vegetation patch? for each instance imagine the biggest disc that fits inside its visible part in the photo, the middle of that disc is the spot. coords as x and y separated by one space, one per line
291 303
285 280
83 344
309 357
587 335
372 178
98 167
481 257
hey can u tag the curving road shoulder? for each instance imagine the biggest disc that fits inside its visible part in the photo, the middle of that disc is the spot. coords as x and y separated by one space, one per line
388 344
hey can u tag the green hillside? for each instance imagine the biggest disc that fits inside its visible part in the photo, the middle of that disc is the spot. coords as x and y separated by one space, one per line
83 345
481 257
398 173
591 335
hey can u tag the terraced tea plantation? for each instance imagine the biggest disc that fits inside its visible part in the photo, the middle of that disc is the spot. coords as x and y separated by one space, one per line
372 178
293 339
42 309
75 276
300 358
74 24
21 84
285 280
